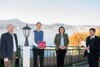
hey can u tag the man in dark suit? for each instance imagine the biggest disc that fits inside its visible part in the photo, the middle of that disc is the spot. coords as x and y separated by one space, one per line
0 50
9 46
93 48
1 60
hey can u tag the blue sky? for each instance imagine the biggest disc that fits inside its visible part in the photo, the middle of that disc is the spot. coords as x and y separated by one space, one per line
72 12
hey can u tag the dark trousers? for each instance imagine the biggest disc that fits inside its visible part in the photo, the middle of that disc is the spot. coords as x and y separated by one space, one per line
17 62
1 63
60 57
93 60
40 53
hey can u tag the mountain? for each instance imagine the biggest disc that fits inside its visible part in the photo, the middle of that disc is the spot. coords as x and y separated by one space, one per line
16 22
13 21
21 24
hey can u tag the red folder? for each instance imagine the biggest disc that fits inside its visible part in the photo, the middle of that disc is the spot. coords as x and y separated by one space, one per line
41 44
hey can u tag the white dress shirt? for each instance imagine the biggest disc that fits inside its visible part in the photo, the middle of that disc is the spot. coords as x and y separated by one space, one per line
14 43
90 38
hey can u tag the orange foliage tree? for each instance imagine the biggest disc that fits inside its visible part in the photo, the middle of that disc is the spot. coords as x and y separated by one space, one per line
77 37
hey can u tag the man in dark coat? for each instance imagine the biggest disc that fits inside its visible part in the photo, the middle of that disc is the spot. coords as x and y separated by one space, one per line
9 46
92 50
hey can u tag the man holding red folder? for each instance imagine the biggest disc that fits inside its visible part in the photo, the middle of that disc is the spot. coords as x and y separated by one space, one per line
38 45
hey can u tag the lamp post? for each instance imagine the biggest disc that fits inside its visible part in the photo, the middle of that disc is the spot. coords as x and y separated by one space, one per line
26 32
26 47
